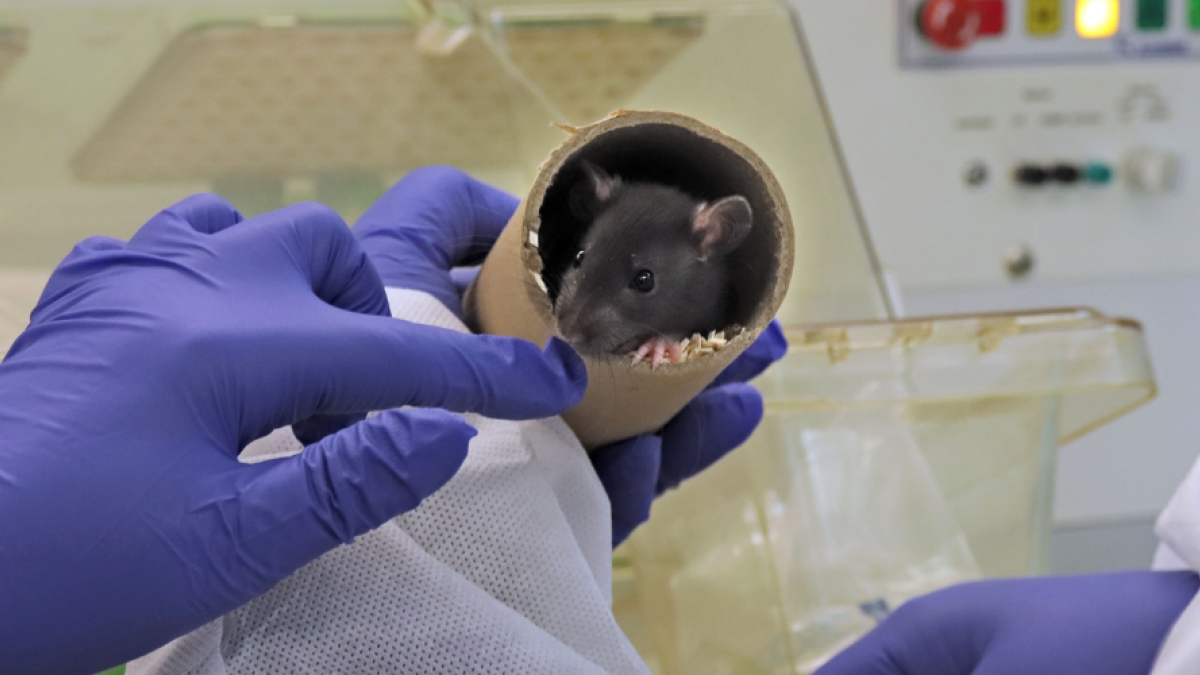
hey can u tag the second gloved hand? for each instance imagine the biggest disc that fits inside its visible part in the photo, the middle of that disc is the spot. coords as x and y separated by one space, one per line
1101 624
636 471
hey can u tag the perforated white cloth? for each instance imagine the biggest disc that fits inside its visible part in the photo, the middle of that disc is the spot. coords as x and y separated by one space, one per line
504 570
1178 530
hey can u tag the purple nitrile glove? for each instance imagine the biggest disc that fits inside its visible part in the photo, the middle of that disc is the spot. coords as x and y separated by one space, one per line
419 235
1100 624
126 518
438 219
424 232
720 419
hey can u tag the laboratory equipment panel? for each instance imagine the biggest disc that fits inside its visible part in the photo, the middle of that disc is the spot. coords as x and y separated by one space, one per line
997 140
958 33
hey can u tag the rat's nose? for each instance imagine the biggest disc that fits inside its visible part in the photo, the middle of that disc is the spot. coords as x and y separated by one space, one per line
577 329
572 331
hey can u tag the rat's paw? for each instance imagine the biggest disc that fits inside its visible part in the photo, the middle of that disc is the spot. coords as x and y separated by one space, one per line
658 350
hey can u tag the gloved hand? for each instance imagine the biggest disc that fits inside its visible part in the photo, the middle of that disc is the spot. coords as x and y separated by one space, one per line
438 219
1102 624
125 516
720 419
428 229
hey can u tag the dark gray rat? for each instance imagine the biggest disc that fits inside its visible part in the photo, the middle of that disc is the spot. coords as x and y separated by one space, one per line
652 268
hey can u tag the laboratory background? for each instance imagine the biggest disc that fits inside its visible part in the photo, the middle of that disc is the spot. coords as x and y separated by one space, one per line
992 319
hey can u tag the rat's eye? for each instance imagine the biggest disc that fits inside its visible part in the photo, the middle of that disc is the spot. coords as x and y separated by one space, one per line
643 281
578 258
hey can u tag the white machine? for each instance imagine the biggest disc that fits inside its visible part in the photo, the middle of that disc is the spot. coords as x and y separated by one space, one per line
1017 153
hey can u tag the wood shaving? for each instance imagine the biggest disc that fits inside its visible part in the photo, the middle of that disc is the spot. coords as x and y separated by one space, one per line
698 345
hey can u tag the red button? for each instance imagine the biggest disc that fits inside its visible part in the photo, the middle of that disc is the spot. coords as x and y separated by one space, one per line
991 20
955 24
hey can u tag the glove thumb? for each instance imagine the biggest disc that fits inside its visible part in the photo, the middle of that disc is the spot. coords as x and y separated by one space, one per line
629 470
292 510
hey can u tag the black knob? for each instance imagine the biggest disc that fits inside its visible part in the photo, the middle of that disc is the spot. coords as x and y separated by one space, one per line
1066 173
1031 175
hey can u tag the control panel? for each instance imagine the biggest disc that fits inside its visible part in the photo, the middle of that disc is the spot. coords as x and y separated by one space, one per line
989 141
957 33
1028 160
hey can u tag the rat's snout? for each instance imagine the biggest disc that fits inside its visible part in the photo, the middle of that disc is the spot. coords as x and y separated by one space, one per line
575 328
584 330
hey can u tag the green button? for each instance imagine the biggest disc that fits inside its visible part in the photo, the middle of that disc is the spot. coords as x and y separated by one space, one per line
1194 14
1097 173
1152 14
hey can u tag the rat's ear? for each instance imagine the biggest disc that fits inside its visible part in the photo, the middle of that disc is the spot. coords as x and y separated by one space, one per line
596 188
720 227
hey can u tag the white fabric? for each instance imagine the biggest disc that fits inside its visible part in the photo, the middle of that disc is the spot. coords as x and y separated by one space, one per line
1178 529
505 570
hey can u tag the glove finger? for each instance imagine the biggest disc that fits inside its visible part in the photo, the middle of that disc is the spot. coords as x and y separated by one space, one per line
92 246
946 632
203 213
346 363
463 277
85 259
629 471
314 240
198 214
434 219
869 657
287 512
715 422
770 346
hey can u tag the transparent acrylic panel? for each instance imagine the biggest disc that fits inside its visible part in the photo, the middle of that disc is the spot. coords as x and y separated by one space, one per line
111 110
894 458
12 47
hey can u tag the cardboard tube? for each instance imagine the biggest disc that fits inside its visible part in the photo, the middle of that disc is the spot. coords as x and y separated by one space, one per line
508 297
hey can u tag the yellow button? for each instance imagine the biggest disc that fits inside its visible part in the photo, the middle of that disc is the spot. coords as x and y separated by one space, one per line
1043 17
1097 18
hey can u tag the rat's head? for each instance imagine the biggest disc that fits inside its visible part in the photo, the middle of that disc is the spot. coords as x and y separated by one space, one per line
652 264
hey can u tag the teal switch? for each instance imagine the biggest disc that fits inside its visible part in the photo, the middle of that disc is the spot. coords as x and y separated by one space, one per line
1151 14
1097 173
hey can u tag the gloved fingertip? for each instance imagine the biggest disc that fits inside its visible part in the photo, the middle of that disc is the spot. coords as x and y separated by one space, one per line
463 277
205 213
573 367
776 340
621 531
97 244
747 402
415 451
770 346
292 510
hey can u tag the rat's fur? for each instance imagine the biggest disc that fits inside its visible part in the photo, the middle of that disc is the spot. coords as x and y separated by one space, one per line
633 227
